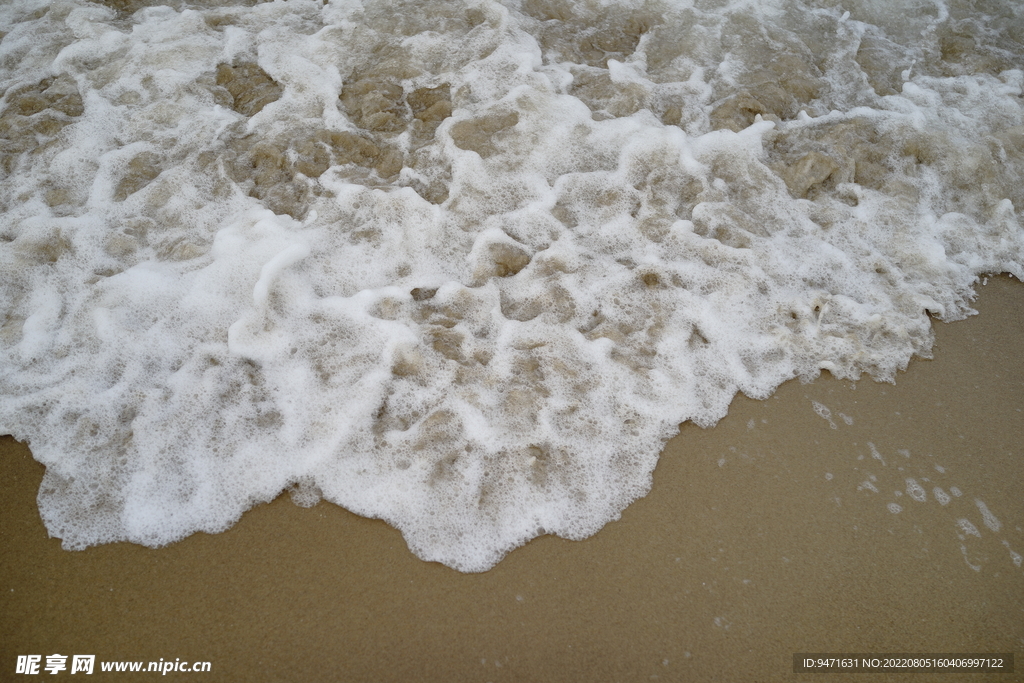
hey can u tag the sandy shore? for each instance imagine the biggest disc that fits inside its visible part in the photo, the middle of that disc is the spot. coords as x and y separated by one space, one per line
778 531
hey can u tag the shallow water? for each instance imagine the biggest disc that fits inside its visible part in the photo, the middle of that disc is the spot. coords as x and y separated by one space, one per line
466 266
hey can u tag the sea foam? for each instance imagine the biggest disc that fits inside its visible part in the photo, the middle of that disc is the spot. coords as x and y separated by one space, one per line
465 266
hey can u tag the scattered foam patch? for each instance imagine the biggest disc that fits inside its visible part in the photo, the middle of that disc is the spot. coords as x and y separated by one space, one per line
987 517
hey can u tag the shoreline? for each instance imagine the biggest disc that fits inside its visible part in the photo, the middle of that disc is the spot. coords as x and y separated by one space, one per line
770 534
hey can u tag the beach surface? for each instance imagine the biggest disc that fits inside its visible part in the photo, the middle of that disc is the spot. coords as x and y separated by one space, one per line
834 517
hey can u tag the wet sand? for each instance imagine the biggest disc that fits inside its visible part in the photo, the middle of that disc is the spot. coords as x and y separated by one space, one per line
770 534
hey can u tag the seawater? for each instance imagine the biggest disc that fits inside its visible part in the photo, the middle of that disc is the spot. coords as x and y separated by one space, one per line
466 265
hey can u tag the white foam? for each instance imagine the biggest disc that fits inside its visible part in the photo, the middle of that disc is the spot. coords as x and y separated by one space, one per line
823 412
916 491
1015 557
987 517
968 528
466 266
866 484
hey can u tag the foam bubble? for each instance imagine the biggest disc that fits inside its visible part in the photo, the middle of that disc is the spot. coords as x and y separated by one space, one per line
916 491
866 484
987 517
824 413
968 528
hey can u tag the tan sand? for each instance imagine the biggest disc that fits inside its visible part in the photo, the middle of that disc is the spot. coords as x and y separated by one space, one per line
760 539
